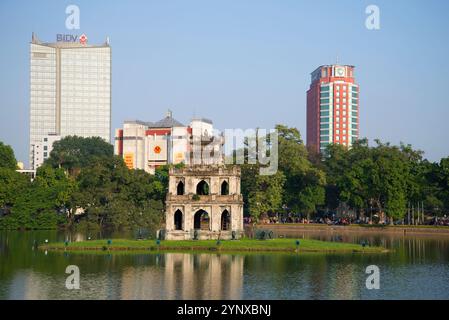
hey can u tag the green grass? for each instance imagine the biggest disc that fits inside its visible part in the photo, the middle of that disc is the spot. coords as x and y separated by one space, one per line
245 245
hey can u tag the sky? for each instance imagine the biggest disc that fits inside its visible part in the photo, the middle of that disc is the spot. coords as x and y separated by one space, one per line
246 63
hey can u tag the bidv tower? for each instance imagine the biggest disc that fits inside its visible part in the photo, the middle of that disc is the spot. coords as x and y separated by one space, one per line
70 92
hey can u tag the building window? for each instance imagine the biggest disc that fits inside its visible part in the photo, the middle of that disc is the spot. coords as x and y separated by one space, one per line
180 188
202 188
324 101
225 220
224 188
178 220
324 94
324 113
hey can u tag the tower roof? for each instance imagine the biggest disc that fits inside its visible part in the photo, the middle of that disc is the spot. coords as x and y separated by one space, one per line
167 122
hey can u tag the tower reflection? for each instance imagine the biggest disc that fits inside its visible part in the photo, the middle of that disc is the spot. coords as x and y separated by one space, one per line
185 276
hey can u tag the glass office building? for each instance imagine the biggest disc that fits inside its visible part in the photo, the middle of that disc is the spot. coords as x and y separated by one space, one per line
70 90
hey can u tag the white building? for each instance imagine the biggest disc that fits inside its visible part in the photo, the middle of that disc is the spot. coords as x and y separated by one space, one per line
147 145
70 91
41 150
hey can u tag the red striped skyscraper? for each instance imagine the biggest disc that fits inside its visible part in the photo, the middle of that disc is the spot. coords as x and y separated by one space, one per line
332 107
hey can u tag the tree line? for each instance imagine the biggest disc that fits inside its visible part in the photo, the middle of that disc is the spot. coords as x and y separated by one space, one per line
381 180
84 185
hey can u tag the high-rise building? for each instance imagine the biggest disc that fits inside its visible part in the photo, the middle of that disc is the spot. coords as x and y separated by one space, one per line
332 107
70 90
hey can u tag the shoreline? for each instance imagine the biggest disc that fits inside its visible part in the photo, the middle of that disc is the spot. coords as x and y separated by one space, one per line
415 230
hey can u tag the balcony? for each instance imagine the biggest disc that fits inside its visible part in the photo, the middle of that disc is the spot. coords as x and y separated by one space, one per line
204 199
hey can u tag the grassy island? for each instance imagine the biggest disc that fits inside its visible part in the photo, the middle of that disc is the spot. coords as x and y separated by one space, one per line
245 245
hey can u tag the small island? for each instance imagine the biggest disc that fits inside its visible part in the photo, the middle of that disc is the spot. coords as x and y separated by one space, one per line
243 245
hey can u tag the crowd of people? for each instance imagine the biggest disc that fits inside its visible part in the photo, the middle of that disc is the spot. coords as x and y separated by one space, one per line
337 220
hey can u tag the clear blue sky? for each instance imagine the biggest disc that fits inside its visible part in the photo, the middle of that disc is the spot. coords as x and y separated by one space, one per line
246 63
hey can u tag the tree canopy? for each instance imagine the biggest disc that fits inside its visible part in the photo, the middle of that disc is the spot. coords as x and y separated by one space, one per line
81 185
7 158
73 153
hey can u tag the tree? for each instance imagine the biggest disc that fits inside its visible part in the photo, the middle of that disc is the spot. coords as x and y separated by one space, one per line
112 196
266 196
7 158
12 184
43 204
73 153
381 177
304 185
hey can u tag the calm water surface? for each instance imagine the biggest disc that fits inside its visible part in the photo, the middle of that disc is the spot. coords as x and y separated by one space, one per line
418 268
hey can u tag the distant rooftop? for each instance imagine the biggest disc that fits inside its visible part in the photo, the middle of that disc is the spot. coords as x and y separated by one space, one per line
62 44
332 65
144 123
167 122
202 120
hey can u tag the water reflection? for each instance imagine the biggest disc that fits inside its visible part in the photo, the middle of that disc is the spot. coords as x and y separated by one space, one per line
418 267
185 276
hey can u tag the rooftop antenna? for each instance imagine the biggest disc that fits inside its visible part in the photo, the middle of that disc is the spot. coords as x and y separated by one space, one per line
336 60
169 113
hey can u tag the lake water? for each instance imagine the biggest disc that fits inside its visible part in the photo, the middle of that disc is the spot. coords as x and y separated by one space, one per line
418 268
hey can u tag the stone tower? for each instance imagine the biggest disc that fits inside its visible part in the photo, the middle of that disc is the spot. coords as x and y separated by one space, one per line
204 202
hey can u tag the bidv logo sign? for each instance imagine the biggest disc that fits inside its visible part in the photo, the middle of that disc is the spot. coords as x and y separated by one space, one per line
71 38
